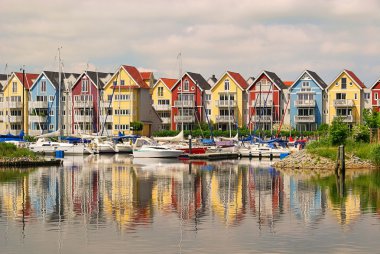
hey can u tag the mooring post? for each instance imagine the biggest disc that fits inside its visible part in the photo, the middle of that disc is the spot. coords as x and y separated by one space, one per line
342 160
337 162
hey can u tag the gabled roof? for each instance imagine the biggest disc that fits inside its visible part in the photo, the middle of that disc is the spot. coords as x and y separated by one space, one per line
237 78
168 82
28 79
314 76
288 83
136 76
97 77
212 80
146 75
197 78
53 77
3 80
352 75
374 84
273 77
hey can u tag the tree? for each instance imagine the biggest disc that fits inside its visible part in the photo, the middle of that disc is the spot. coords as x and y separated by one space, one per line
371 119
338 132
137 126
361 133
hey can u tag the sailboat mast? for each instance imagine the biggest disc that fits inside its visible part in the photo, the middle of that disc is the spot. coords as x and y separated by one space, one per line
59 94
119 97
229 109
180 76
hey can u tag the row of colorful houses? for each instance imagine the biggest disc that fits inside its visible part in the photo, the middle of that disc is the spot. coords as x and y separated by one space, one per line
107 103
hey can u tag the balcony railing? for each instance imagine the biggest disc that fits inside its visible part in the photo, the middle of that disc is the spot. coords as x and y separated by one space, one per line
83 104
14 119
224 119
305 103
184 119
80 118
166 120
343 103
262 103
263 119
161 107
37 119
106 104
38 104
184 103
346 119
2 104
225 103
304 119
108 120
14 104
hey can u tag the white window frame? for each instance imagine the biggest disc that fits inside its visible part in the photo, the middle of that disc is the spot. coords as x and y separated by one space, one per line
186 85
226 85
85 85
43 86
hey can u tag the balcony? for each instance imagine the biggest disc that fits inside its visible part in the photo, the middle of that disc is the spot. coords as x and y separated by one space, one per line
38 104
262 119
187 103
162 107
305 119
224 119
37 119
108 120
184 119
14 104
305 103
2 105
262 103
106 104
343 103
15 119
166 120
225 103
83 118
83 104
346 119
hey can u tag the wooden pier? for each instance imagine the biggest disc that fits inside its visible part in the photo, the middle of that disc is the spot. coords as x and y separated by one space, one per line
211 156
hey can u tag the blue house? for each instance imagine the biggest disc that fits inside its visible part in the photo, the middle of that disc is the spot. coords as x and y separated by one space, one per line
43 102
306 101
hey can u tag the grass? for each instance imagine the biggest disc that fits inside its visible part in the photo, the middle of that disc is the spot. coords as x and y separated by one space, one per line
11 151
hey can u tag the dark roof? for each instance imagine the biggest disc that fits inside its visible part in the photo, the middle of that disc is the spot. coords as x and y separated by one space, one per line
95 76
213 79
278 82
3 77
54 75
317 78
200 80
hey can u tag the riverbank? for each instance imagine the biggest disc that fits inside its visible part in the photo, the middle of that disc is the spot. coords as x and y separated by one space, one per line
305 159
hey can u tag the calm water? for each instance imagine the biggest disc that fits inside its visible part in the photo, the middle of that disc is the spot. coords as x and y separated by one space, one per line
114 204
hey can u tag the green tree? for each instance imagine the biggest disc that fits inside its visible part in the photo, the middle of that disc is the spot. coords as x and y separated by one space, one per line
361 133
137 126
338 132
371 119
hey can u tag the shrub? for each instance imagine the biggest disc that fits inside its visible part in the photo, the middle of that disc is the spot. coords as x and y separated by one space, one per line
361 133
8 150
375 155
137 126
338 132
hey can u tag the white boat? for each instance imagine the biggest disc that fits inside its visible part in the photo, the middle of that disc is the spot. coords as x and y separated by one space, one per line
103 146
263 150
49 147
123 148
145 148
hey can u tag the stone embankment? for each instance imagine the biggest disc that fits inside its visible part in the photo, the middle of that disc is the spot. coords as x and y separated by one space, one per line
304 160
29 162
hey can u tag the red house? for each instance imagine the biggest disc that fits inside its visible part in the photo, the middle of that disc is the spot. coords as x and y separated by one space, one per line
85 96
188 94
265 102
375 90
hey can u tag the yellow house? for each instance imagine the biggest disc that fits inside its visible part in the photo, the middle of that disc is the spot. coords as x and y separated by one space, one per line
229 101
15 102
345 98
162 100
130 101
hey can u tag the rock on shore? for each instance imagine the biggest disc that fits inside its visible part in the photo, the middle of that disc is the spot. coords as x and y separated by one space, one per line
304 160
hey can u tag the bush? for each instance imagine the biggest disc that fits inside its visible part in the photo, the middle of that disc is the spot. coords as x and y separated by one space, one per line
8 150
338 132
361 133
137 126
375 155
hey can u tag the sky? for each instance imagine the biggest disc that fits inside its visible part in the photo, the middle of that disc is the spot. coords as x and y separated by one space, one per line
246 36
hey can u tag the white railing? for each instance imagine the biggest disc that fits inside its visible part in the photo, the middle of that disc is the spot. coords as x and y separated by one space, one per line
224 119
184 103
80 118
262 103
166 120
161 107
343 103
263 118
305 103
225 103
13 119
37 119
14 104
304 119
83 104
346 119
184 119
38 104
2 105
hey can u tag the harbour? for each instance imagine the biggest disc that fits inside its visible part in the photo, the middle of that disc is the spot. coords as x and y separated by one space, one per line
117 203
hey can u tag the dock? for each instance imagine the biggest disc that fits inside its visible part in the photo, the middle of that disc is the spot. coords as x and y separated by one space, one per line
211 156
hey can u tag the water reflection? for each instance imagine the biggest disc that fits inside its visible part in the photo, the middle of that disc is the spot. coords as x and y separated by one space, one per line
130 194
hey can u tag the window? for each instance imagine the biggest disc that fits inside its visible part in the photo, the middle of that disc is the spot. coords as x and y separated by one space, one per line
356 96
63 127
122 82
344 83
121 97
51 126
64 98
305 111
186 85
208 97
160 91
163 102
51 113
376 96
208 111
115 83
227 85
122 112
350 83
84 85
121 127
367 96
14 87
51 98
305 84
340 96
43 86
64 112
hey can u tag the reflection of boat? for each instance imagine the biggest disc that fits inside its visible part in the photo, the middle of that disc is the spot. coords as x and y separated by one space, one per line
145 148
48 147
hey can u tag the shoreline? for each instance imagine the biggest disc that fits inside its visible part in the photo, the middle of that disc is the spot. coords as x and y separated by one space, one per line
29 162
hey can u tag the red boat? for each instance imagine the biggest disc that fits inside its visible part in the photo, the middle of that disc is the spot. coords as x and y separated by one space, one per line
194 150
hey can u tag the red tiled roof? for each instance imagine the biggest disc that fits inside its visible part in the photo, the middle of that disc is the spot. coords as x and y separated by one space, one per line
354 77
169 82
29 79
146 75
136 75
288 83
239 79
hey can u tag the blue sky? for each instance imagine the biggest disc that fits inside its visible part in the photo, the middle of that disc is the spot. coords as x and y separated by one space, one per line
247 36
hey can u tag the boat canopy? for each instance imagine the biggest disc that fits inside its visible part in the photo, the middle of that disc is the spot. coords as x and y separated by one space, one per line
10 137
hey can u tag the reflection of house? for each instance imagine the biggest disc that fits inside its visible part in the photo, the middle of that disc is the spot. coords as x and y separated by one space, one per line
346 211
